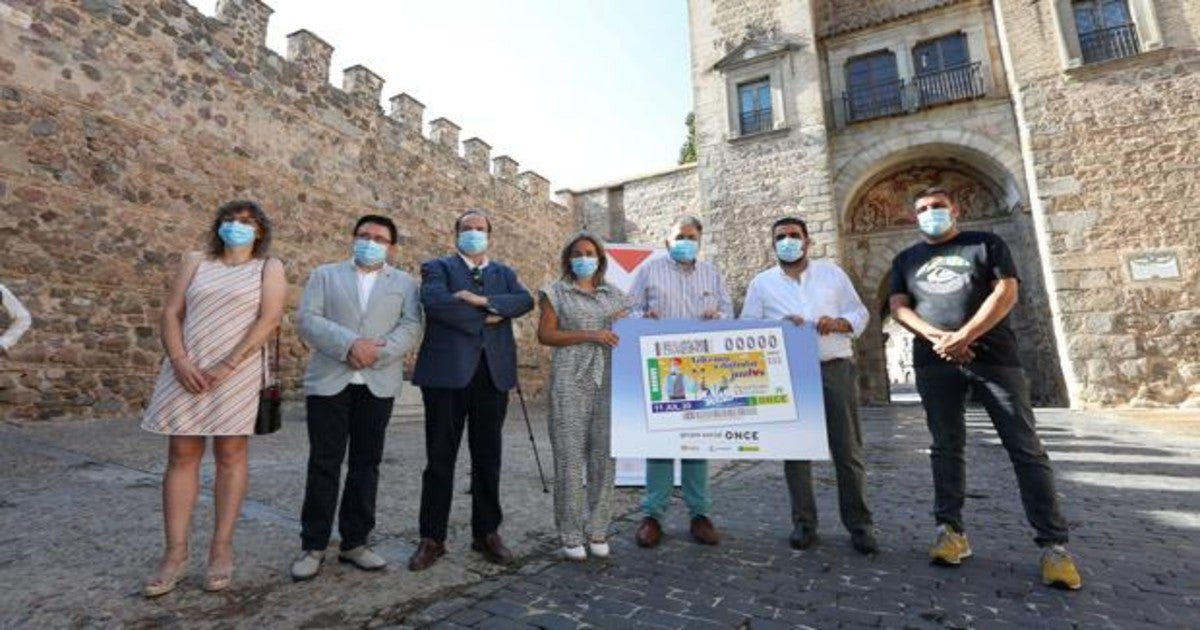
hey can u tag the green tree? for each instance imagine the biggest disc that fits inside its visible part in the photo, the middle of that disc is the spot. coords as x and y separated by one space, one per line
687 153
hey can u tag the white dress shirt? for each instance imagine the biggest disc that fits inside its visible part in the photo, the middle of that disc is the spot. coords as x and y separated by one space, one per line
822 289
366 282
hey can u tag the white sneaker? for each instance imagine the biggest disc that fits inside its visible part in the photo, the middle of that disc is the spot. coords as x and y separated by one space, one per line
307 565
574 554
599 549
363 558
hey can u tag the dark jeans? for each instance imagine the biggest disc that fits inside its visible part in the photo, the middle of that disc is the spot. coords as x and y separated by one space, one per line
1004 393
447 413
840 387
356 417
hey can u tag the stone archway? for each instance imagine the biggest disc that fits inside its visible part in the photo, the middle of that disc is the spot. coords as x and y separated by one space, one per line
876 226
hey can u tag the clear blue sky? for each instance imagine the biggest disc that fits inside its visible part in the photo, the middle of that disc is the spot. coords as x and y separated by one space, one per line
581 91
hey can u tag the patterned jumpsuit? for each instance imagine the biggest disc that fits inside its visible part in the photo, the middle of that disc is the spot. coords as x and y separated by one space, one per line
580 383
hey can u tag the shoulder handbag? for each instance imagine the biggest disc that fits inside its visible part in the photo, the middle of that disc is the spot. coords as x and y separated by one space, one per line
270 397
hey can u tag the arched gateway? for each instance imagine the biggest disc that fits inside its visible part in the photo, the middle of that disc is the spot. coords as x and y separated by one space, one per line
876 225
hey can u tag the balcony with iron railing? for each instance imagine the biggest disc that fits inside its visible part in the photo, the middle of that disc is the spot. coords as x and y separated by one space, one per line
875 101
1109 43
959 83
756 121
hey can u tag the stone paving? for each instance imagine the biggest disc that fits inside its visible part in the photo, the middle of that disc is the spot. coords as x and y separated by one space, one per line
79 508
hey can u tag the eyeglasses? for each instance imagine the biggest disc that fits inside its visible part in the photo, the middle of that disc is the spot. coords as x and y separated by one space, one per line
477 276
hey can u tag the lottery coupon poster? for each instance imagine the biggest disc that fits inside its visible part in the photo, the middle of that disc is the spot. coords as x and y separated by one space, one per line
717 390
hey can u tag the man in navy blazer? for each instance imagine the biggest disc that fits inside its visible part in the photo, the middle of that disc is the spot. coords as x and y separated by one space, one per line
466 366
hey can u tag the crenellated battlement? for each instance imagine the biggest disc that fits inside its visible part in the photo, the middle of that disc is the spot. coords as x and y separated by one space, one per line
309 57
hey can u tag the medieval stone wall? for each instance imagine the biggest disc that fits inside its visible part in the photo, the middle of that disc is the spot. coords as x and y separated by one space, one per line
747 182
1114 146
124 124
645 206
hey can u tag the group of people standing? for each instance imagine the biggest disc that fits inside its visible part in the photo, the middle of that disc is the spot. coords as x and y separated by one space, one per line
360 317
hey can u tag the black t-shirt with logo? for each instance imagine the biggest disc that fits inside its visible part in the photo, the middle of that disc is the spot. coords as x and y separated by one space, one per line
947 284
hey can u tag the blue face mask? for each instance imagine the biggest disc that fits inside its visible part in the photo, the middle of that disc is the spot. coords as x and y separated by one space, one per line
789 250
472 242
368 253
684 250
235 234
584 267
935 222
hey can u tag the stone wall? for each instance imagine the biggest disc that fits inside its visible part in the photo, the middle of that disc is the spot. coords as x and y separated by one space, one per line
638 210
747 182
1113 147
124 124
840 16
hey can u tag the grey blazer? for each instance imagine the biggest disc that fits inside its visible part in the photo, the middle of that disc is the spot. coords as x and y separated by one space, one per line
330 319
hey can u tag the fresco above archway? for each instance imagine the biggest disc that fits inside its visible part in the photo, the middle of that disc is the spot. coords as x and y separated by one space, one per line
884 205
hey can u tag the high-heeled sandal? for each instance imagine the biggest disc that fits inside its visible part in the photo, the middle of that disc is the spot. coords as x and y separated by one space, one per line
160 584
215 582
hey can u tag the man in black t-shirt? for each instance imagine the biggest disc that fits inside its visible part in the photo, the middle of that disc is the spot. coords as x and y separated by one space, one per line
954 291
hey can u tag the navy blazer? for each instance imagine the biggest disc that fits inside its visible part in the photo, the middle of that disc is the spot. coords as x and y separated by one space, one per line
456 338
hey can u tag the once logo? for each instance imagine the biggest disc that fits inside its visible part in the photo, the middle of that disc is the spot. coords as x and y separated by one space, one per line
750 436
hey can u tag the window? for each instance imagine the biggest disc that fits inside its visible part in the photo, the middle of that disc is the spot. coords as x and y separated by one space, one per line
944 71
754 107
873 86
1106 29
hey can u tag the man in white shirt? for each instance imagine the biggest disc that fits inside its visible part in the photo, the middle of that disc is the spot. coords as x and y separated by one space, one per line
20 319
818 293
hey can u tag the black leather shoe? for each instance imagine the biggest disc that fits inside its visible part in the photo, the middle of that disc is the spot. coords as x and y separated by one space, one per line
864 542
803 537
426 554
493 549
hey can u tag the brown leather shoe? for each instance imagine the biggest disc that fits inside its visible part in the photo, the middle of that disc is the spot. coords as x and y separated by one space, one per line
493 549
426 554
649 533
704 531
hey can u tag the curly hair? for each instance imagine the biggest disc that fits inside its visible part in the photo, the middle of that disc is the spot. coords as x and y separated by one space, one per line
262 245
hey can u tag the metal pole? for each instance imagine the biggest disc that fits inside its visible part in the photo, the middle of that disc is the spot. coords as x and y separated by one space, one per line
532 441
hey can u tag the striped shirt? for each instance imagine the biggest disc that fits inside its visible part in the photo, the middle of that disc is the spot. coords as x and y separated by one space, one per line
675 291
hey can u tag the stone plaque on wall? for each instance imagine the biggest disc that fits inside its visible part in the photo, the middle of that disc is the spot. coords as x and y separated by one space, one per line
1154 266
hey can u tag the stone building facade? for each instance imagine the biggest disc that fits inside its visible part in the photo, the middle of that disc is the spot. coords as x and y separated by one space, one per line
1070 128
125 123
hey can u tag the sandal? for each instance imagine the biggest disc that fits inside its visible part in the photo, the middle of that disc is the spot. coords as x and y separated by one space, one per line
164 583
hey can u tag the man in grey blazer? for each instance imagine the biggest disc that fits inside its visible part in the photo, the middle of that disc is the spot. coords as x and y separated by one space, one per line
360 317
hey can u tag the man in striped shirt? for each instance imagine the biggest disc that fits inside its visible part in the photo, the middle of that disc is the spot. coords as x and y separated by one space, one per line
679 287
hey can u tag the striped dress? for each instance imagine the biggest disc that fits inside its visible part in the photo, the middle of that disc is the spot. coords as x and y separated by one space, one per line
222 303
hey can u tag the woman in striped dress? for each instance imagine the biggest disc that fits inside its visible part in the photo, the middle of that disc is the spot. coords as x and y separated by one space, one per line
577 315
222 307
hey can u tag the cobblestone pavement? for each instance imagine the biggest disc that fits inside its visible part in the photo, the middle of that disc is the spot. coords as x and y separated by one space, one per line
79 516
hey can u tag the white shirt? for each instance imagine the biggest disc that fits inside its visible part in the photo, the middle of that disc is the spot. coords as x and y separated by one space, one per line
822 289
20 318
366 282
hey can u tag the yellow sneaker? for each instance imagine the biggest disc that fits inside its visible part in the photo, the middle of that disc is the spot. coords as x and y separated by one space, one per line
1058 569
950 548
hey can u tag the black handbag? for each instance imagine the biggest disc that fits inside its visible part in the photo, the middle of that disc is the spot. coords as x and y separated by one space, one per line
270 397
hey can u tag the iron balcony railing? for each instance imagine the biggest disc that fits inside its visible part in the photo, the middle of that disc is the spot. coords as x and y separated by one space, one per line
1109 43
756 120
952 84
874 101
